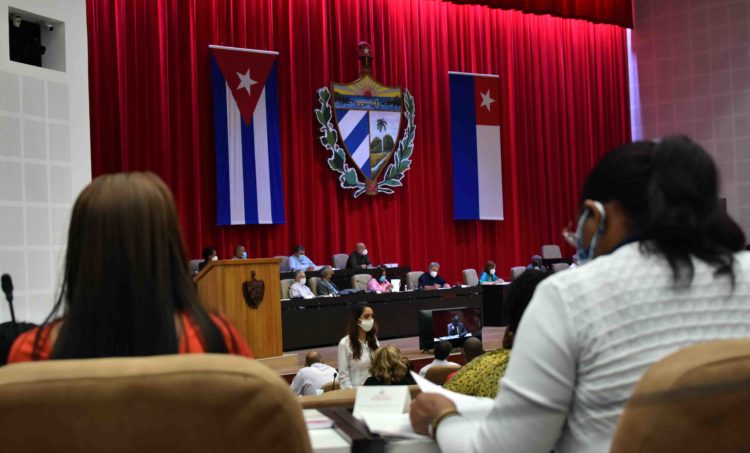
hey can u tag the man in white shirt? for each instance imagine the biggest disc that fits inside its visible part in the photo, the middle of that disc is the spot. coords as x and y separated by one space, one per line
442 351
313 376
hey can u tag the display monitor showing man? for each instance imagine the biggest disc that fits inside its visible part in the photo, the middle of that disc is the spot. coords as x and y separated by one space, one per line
456 327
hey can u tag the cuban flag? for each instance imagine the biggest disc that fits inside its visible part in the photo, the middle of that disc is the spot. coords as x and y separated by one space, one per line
475 129
248 149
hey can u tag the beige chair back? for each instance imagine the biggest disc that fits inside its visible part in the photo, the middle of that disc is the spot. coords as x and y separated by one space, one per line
437 374
516 271
694 400
339 260
312 282
560 267
470 277
284 264
186 403
285 284
193 266
412 279
360 281
339 398
551 251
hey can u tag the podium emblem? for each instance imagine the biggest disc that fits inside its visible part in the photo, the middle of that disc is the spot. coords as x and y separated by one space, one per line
361 126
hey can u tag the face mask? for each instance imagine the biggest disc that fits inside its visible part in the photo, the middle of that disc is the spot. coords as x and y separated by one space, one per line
492 271
433 274
584 255
303 281
364 252
215 258
382 278
366 324
302 254
244 255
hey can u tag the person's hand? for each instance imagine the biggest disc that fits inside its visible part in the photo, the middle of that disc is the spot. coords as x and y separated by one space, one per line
425 408
364 266
310 268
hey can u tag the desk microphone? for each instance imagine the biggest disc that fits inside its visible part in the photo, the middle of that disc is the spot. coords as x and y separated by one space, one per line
333 385
7 286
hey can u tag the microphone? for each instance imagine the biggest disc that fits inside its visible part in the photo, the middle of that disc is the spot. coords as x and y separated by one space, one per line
333 385
7 286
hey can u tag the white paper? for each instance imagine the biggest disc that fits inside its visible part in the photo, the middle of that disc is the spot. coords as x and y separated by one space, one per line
387 399
316 420
391 425
396 285
468 406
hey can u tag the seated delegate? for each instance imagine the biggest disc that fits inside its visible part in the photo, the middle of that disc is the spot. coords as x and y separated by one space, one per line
442 351
379 284
311 379
481 376
325 286
299 288
456 327
658 253
122 302
209 254
298 261
536 264
389 367
431 279
358 259
489 276
239 252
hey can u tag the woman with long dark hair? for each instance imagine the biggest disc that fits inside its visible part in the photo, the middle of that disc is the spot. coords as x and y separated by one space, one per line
126 289
356 349
662 268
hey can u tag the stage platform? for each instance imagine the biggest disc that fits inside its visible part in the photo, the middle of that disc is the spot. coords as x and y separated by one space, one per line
492 338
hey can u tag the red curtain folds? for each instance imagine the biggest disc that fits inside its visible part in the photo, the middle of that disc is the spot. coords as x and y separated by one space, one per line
616 12
564 103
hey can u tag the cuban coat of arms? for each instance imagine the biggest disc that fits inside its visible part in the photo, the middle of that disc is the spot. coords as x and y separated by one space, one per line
361 126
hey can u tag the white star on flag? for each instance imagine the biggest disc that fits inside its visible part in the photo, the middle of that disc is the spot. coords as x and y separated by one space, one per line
486 100
245 81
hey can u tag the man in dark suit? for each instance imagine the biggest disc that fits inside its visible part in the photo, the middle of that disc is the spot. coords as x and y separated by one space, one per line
358 259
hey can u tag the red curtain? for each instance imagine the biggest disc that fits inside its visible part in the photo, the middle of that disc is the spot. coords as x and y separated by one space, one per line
564 103
617 12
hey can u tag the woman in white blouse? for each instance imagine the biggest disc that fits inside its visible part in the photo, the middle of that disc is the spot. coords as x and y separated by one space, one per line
299 288
666 271
356 349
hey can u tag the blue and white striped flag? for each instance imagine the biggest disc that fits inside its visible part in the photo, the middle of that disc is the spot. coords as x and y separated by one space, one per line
475 137
248 148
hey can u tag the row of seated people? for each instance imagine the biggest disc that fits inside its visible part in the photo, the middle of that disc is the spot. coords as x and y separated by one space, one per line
386 366
297 261
301 287
662 268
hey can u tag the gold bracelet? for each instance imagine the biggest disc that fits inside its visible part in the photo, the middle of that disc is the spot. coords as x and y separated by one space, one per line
432 428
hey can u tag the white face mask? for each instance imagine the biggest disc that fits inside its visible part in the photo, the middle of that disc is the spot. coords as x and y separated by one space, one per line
364 252
492 271
366 324
433 274
215 258
303 281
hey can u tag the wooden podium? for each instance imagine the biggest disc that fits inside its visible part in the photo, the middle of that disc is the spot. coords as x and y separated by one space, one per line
220 289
